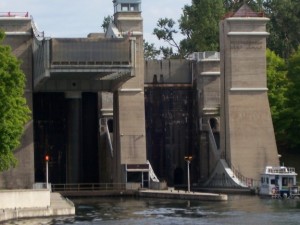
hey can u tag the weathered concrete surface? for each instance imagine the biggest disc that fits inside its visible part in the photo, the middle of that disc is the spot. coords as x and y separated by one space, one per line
207 78
175 71
129 111
108 193
247 135
61 206
176 194
58 207
11 199
19 37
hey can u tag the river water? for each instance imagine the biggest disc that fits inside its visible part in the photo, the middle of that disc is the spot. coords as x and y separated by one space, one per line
239 210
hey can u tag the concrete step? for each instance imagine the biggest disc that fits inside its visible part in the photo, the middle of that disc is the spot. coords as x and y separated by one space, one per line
57 201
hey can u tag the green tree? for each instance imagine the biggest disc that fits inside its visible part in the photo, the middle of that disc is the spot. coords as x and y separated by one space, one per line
14 113
234 5
284 26
292 118
165 31
105 24
200 24
168 53
278 85
150 52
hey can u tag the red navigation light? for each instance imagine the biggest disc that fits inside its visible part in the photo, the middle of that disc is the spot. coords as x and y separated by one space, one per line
47 158
188 158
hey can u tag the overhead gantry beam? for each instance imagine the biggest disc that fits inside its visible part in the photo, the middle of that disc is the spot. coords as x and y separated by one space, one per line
83 64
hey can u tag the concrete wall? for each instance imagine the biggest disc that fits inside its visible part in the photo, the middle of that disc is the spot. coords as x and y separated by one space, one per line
19 37
129 107
207 83
129 22
208 86
11 199
173 71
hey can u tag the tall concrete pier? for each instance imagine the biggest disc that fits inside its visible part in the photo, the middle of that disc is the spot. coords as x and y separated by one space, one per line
74 126
19 34
129 110
247 135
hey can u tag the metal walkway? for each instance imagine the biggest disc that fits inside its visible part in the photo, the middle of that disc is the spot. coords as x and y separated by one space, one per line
81 64
94 189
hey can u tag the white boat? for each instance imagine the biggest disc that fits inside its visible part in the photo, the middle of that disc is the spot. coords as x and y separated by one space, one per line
279 182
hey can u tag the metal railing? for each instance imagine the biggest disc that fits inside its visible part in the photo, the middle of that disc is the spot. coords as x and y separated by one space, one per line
70 202
213 141
89 187
200 56
280 170
246 181
14 14
40 35
109 139
152 173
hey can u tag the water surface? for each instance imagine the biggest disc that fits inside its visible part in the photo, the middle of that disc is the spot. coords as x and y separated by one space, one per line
239 209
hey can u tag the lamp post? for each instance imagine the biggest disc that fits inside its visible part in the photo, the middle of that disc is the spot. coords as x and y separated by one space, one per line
47 171
188 159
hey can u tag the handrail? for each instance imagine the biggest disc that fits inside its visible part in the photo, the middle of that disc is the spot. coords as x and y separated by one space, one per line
245 181
14 14
249 182
109 139
201 56
152 173
213 141
89 187
70 202
280 170
39 35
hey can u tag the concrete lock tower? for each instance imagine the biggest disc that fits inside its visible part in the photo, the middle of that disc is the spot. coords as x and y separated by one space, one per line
129 160
247 135
17 28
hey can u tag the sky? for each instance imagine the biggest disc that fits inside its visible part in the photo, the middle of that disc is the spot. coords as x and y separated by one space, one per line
78 18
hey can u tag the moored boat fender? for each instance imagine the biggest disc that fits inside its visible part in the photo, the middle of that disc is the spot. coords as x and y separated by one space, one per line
285 195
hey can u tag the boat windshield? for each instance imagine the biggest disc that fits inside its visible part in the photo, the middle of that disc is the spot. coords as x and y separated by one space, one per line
280 170
287 181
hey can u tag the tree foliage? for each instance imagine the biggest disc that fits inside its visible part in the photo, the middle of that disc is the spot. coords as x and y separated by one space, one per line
284 92
292 118
278 85
284 26
106 21
165 31
150 52
200 24
14 113
234 5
